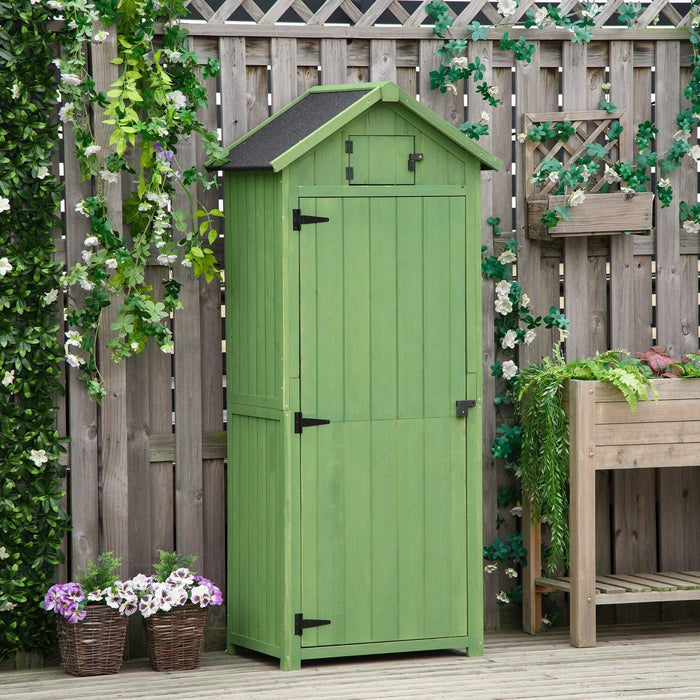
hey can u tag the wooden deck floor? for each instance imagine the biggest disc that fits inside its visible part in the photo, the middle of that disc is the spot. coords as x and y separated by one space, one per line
629 662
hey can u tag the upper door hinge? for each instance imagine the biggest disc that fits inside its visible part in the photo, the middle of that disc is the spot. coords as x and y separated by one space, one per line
299 219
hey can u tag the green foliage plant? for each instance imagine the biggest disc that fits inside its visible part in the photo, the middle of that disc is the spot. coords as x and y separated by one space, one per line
172 561
100 575
544 455
151 107
32 520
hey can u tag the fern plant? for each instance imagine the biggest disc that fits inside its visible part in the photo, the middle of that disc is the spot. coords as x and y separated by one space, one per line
97 577
172 561
544 457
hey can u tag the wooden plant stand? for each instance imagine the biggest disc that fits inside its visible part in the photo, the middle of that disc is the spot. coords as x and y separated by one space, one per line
605 434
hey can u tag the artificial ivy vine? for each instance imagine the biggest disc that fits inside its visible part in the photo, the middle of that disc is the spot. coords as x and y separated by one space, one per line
150 109
32 521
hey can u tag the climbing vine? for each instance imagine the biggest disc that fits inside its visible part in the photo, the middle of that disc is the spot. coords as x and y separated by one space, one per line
32 521
149 109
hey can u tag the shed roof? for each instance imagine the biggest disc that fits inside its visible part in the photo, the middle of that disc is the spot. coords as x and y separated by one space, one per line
308 120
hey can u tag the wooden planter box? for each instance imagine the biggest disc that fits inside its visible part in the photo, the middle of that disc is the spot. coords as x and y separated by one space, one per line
605 434
597 215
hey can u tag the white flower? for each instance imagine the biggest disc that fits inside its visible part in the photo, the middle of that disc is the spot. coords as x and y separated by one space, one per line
522 137
91 150
73 338
546 622
70 79
87 256
509 369
503 288
41 172
584 173
111 263
511 573
95 597
186 262
9 378
663 183
451 87
490 568
87 286
177 99
524 301
530 335
167 348
3 553
507 7
517 511
492 90
109 177
553 176
172 56
503 305
484 116
681 135
690 226
592 11
4 204
66 112
7 606
91 240
38 457
605 87
100 36
460 62
16 91
5 266
148 605
575 198
55 5
166 259
74 360
509 339
502 597
541 16
627 190
610 176
200 595
160 198
80 208
50 297
563 333
694 151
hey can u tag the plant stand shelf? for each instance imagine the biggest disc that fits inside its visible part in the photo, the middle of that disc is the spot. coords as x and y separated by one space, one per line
605 434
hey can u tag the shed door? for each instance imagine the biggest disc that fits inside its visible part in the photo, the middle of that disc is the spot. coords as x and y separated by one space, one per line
382 341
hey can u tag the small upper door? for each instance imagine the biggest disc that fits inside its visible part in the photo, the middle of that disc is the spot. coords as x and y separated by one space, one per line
383 358
381 159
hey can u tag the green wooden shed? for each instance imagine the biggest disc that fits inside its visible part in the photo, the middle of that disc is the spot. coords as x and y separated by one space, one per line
353 316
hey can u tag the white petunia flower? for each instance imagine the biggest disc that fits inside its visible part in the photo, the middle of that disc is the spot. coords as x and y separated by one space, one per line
177 99
74 360
4 204
42 172
503 305
509 369
109 177
90 241
509 339
575 198
507 257
530 335
92 149
111 263
503 288
66 112
74 338
507 7
87 256
9 378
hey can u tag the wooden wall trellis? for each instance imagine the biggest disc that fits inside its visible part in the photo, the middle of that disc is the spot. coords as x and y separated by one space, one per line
147 467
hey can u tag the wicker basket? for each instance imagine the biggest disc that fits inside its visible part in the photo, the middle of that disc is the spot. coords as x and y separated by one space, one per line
95 645
175 637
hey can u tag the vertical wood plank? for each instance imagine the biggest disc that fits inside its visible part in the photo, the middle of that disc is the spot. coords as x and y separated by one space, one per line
234 93
213 470
83 475
448 105
582 513
113 424
382 60
575 249
334 61
189 535
283 67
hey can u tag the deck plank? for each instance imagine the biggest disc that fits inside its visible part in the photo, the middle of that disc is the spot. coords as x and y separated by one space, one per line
632 661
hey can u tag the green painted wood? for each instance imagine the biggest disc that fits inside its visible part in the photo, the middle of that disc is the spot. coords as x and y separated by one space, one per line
381 159
383 520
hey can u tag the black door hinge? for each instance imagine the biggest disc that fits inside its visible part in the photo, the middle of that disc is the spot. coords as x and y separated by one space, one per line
300 624
299 219
300 422
348 146
412 158
464 406
349 174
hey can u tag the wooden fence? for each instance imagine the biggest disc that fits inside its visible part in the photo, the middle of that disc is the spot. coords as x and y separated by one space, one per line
147 467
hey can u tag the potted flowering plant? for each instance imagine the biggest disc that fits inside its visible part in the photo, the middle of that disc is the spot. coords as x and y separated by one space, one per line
91 615
174 604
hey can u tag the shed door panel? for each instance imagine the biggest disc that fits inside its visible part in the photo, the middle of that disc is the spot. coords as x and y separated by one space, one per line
383 497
